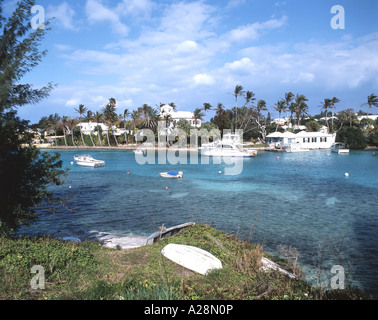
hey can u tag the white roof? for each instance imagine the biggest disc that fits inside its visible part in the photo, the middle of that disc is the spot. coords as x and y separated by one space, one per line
312 134
288 134
275 135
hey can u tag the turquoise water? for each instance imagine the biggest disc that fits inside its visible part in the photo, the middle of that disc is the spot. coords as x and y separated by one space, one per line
302 200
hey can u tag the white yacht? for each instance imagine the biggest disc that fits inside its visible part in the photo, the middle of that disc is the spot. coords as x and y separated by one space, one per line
229 146
339 147
88 161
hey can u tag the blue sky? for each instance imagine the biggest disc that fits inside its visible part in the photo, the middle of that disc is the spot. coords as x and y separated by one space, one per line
192 52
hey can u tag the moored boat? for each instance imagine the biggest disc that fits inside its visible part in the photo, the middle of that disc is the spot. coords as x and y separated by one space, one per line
172 174
229 146
88 161
339 147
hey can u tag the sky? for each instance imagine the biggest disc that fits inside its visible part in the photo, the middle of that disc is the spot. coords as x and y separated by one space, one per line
195 52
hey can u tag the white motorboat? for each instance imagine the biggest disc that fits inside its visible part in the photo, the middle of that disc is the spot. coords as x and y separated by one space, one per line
339 147
172 174
229 146
88 161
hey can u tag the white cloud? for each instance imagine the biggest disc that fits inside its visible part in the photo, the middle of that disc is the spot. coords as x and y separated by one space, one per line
98 13
253 31
135 8
64 15
203 79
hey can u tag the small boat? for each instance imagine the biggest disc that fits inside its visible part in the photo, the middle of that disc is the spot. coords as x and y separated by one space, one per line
191 258
88 161
339 147
172 174
164 232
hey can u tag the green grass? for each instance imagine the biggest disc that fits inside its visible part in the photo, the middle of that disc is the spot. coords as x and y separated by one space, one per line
88 271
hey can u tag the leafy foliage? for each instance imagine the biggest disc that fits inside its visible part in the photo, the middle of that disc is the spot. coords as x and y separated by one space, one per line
25 172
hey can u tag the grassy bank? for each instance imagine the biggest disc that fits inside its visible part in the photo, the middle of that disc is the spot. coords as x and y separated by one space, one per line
89 271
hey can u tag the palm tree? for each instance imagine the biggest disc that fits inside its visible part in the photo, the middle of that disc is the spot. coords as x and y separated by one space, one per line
288 99
89 118
110 117
135 117
72 123
172 104
326 104
81 110
198 115
372 100
126 114
238 91
220 108
261 106
333 101
63 123
207 107
280 107
301 107
98 118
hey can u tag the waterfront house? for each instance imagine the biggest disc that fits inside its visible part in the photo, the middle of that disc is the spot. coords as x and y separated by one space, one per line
306 140
176 116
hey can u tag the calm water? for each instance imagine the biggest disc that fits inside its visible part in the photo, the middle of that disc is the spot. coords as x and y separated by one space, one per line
302 200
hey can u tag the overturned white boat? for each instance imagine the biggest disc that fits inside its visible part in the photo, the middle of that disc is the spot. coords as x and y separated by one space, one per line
88 161
172 174
191 258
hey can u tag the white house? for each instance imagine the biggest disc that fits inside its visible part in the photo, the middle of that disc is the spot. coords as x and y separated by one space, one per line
89 127
306 140
178 115
371 116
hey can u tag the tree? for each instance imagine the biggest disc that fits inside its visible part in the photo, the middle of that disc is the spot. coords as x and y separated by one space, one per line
334 100
353 137
198 115
301 107
280 107
207 107
81 110
25 171
238 91
126 114
326 104
98 118
110 117
288 99
89 118
372 100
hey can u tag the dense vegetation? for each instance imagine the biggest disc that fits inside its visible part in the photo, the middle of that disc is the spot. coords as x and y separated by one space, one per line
25 172
253 118
88 271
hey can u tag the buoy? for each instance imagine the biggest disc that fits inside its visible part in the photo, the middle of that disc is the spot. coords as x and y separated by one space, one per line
71 162
219 171
278 158
128 172
166 188
346 174
69 187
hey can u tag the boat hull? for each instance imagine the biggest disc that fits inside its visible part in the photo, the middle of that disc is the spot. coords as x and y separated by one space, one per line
87 161
191 258
171 176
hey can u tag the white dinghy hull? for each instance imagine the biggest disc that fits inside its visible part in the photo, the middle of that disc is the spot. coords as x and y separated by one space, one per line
192 258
